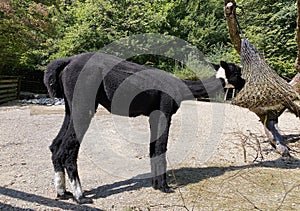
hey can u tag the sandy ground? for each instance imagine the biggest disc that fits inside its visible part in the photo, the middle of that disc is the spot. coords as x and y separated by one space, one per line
218 159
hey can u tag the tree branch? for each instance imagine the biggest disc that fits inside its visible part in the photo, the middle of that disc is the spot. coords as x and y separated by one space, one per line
232 24
297 62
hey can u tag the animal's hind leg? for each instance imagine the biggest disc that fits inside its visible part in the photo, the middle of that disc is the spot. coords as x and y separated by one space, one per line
69 153
270 121
59 176
277 141
159 126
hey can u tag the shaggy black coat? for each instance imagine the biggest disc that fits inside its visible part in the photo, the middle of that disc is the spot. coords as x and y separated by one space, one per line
123 88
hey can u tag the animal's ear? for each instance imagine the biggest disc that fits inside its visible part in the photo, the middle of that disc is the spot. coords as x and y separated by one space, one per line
225 66
215 66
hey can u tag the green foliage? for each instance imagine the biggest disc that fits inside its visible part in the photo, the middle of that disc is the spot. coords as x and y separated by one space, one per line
223 52
34 32
205 24
270 26
24 28
186 74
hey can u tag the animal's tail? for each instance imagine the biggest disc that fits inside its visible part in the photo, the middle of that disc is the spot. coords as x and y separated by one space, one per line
52 75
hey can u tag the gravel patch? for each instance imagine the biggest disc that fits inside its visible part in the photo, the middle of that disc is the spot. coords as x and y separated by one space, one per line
218 157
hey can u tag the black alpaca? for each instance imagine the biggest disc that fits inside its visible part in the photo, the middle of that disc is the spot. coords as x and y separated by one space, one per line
165 95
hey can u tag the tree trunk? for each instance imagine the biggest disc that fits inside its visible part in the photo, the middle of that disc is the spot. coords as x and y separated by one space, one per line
236 39
297 62
234 34
295 82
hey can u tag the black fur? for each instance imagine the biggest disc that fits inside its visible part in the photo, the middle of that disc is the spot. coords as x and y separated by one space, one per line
61 77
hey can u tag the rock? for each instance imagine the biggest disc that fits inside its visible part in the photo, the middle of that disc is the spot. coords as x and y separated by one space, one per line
44 101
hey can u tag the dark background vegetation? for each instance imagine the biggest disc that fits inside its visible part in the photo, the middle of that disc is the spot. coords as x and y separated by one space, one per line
32 33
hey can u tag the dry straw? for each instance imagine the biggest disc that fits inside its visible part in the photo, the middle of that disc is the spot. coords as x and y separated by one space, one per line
265 91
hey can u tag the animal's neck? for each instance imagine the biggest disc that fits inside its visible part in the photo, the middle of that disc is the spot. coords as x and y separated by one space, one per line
205 88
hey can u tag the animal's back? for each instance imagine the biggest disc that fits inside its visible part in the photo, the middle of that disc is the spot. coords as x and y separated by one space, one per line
127 82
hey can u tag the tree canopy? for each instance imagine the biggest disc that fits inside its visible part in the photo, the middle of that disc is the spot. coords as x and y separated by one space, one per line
34 32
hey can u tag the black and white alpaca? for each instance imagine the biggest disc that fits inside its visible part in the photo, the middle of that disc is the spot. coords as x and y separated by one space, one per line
61 77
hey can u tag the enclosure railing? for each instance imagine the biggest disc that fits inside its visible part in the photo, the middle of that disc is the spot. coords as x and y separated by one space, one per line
9 88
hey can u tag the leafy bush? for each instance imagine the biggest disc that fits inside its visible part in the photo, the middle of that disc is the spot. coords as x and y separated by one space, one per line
34 32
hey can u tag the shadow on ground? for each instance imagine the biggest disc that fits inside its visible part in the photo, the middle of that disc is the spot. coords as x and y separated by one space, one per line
29 197
185 176
291 138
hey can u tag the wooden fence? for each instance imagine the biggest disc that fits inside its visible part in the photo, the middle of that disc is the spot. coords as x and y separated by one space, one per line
9 88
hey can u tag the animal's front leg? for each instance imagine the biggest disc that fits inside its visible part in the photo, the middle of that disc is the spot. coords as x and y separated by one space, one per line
159 175
277 141
159 126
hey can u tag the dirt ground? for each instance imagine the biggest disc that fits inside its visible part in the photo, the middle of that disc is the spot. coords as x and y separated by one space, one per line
218 159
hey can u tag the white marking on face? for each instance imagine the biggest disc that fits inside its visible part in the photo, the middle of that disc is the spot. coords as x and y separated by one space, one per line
76 188
60 183
229 4
221 74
